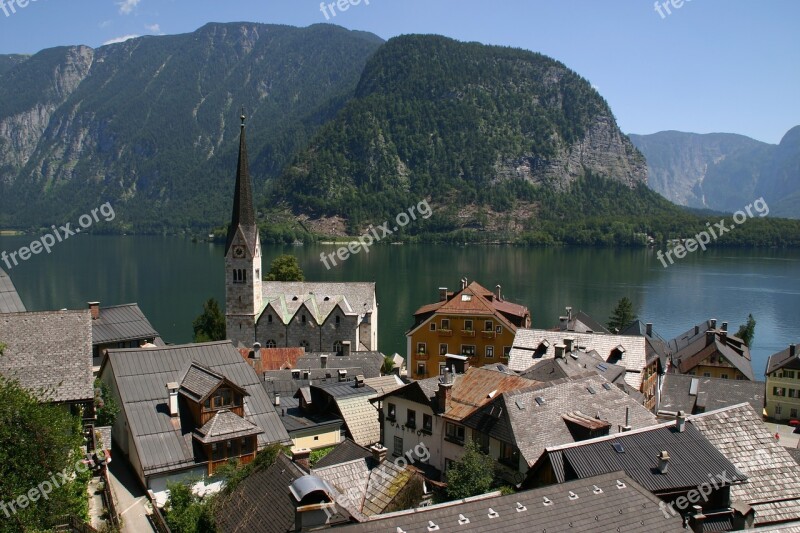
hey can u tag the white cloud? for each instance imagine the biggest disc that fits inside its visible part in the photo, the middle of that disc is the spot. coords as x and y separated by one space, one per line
122 39
104 24
154 28
126 7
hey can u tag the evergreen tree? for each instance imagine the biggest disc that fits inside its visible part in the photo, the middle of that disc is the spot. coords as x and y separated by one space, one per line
285 268
747 331
471 475
210 325
388 365
622 316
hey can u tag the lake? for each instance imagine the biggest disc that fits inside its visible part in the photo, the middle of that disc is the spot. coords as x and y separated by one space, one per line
171 277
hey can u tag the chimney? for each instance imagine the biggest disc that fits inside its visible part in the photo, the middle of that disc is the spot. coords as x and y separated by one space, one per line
463 283
359 382
378 453
792 350
725 327
663 462
256 350
172 387
627 426
560 351
300 457
277 400
443 395
697 330
696 519
649 329
680 422
94 307
342 375
710 337
442 294
346 348
323 361
497 292
569 344
313 502
713 323
569 314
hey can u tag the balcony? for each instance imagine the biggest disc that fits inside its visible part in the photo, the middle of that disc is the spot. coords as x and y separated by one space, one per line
467 333
422 356
445 332
487 334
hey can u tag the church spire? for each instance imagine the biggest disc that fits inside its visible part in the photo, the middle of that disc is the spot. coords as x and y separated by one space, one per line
243 212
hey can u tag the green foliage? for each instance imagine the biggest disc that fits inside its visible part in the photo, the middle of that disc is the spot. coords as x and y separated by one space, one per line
210 325
318 454
471 475
285 268
38 441
106 407
187 513
388 365
622 316
2 348
747 331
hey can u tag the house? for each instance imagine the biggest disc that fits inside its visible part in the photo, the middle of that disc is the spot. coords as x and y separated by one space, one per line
432 411
580 322
50 354
516 426
657 354
10 301
472 322
711 352
695 395
308 430
773 479
572 364
609 502
783 384
119 326
186 410
316 316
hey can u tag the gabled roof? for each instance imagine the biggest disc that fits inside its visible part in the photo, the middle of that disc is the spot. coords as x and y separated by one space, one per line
732 348
344 452
692 394
225 425
361 418
576 363
10 301
657 347
533 345
581 322
477 387
384 384
773 487
611 502
294 419
369 363
49 352
533 418
200 382
141 377
783 359
121 323
692 458
320 299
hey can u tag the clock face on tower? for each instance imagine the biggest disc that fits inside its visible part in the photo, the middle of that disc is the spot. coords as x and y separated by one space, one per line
238 252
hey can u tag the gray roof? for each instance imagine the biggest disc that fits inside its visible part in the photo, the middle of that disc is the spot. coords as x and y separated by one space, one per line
773 485
368 364
141 376
582 323
295 420
121 323
692 458
620 504
10 301
532 426
49 351
344 452
711 393
225 425
199 382
783 359
700 348
657 347
285 298
576 363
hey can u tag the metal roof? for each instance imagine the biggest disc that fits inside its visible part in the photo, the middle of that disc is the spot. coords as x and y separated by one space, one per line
294 419
10 301
711 393
121 323
473 389
225 425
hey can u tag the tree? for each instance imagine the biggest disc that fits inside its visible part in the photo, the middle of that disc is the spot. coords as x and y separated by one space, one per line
747 331
105 405
40 451
210 325
285 268
187 513
622 316
471 475
388 365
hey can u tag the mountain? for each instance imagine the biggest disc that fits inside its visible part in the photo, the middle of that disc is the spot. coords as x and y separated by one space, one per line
152 124
724 172
467 125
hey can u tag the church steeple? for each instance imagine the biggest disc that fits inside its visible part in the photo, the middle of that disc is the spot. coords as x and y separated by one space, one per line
243 212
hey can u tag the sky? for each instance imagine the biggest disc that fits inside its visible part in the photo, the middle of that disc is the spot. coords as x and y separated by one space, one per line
690 65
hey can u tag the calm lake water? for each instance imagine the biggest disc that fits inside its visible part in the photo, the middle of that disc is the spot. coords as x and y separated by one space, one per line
171 277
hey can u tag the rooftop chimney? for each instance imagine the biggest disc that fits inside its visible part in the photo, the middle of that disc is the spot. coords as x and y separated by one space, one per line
680 422
378 453
342 375
498 292
627 426
725 326
560 351
696 519
710 334
442 294
569 344
94 307
359 382
649 329
713 323
443 394
346 348
697 330
663 462
463 283
313 502
172 387
277 400
792 350
323 361
256 350
300 457
569 314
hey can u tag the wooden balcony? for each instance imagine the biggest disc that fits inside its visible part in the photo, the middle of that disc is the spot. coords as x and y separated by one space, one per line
467 333
422 356
445 332
487 334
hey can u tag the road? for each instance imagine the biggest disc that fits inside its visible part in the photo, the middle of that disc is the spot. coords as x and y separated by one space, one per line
130 497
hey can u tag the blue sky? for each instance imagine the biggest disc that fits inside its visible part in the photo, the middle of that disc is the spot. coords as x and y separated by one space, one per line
707 66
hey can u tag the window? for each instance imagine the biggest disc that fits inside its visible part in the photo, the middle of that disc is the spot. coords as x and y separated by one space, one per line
338 320
793 413
217 452
724 376
421 348
443 349
454 433
788 374
489 352
442 368
269 319
448 464
706 374
398 446
391 411
793 393
421 370
411 419
506 351
271 344
466 297
468 350
488 326
509 455
778 409
446 323
258 273
223 398
427 423
468 325
498 330
246 445
337 347
433 326
303 319
239 275
305 344
778 391
482 440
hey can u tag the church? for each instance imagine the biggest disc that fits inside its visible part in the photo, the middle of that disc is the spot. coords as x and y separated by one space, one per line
320 317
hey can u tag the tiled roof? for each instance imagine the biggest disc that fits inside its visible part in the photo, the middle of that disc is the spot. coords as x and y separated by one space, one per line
657 347
361 418
773 487
732 348
141 377
782 359
532 425
576 363
226 425
49 351
384 384
692 458
368 364
344 452
199 382
10 301
286 297
528 348
611 502
711 394
582 323
478 387
121 323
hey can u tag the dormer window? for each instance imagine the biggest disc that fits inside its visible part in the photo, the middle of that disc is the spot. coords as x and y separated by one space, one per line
269 319
222 398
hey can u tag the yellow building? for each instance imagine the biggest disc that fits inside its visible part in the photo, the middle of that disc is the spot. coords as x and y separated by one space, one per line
783 384
711 352
474 322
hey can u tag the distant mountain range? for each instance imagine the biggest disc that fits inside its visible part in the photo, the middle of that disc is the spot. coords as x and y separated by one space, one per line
724 172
